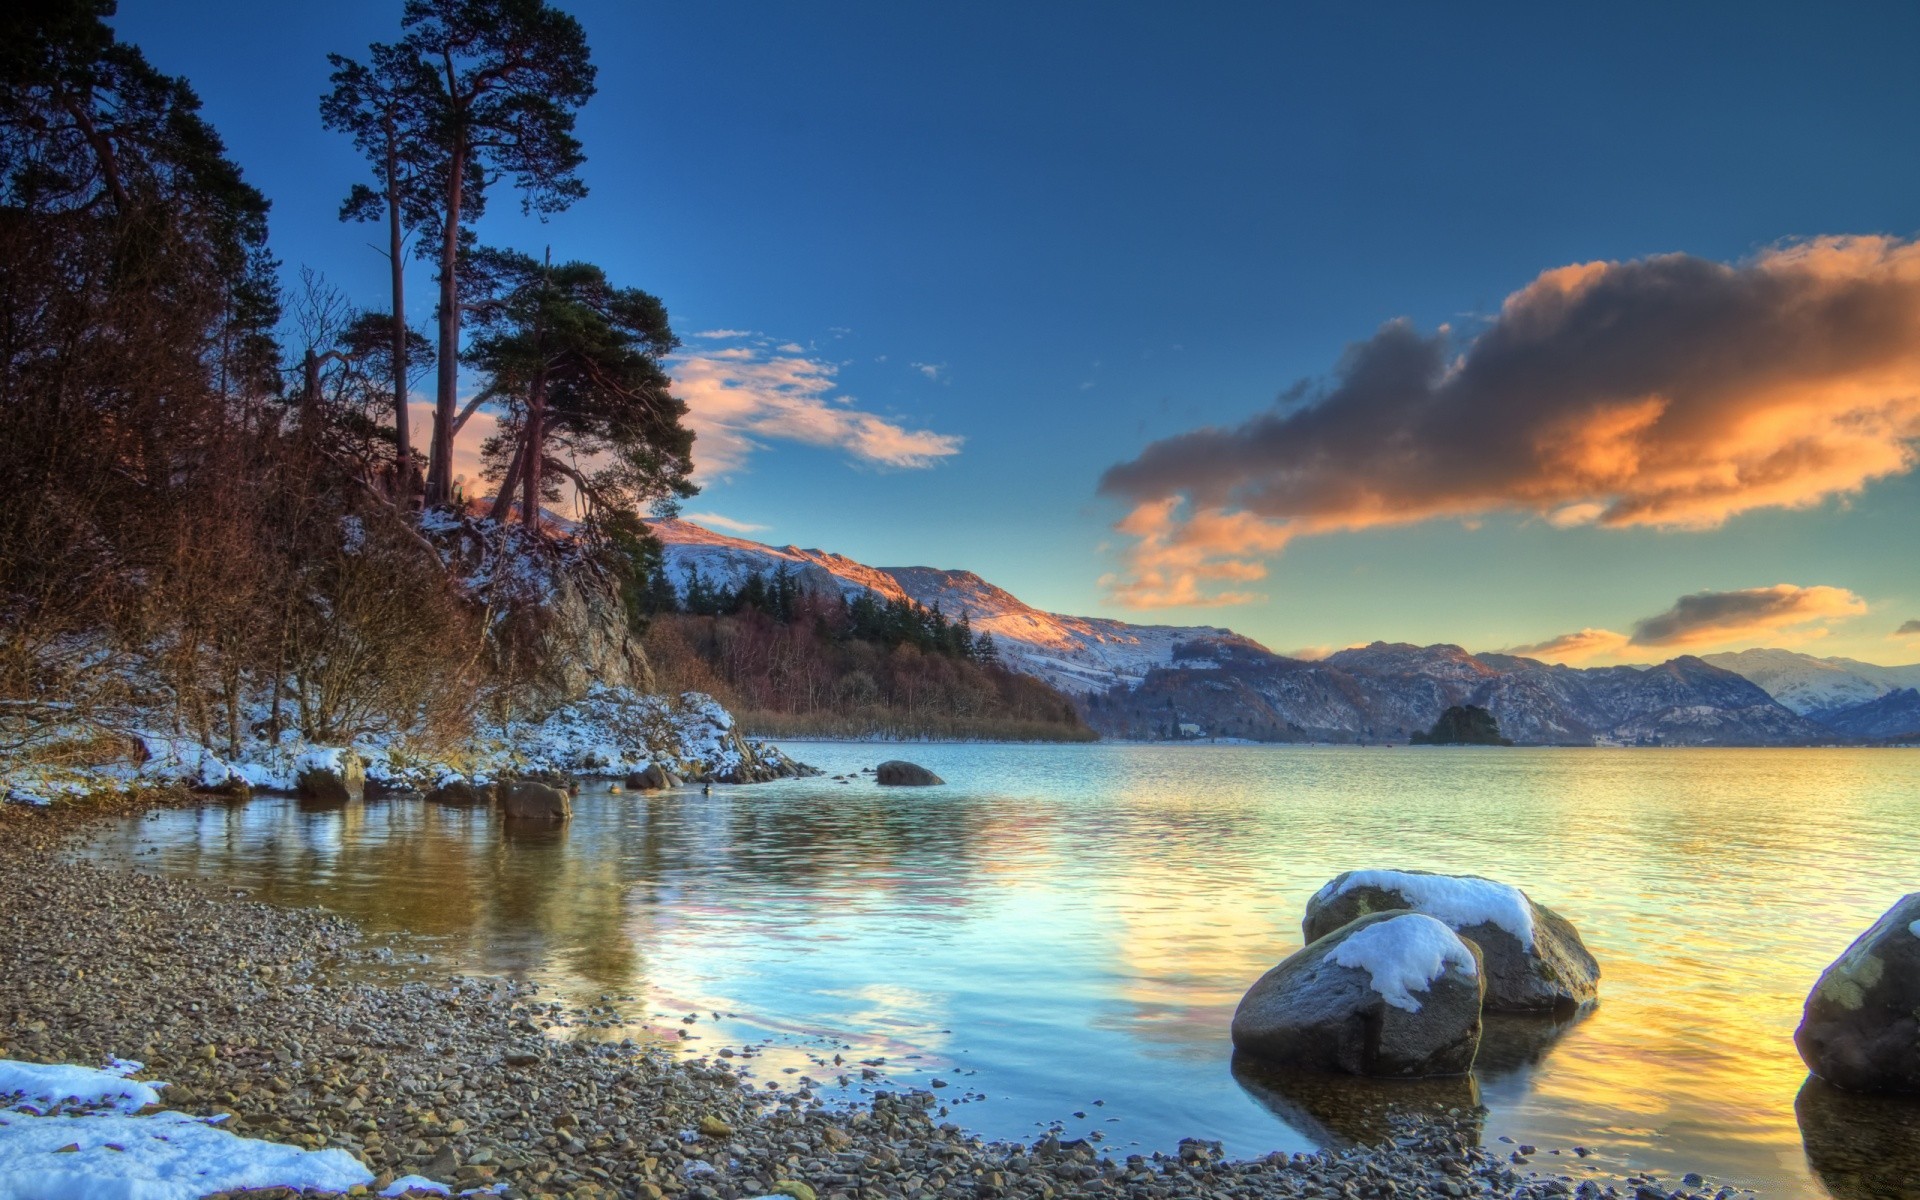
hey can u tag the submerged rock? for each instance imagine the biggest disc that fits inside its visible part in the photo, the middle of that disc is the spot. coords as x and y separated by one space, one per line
331 777
462 793
526 800
1535 960
1861 1027
899 773
1391 994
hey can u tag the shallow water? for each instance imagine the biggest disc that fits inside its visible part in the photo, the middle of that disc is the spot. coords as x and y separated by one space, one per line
1066 930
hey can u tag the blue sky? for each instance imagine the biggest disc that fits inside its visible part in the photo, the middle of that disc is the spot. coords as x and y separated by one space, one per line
1028 241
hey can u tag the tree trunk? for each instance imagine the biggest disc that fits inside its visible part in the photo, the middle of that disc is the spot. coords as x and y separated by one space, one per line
535 450
402 431
503 502
445 399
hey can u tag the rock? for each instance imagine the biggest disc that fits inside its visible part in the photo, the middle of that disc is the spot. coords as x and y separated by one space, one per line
529 801
653 779
338 778
1390 994
1535 960
1861 1027
896 773
461 792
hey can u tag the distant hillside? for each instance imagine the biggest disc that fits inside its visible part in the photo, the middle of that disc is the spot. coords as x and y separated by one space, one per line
1389 691
1076 654
1816 687
1162 681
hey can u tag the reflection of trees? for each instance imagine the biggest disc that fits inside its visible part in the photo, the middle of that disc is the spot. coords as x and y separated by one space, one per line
1349 1110
1860 1147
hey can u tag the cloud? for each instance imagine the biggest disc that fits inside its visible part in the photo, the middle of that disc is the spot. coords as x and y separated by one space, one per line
717 521
1576 647
1668 392
1785 614
740 398
1908 629
933 371
714 334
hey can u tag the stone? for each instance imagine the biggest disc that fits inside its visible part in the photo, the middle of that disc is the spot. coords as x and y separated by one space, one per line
1861 1027
898 773
526 800
1389 994
655 778
461 792
327 785
1535 960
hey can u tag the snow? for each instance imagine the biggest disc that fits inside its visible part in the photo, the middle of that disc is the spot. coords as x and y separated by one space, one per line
1914 929
1404 955
93 1147
42 1087
1460 901
1810 685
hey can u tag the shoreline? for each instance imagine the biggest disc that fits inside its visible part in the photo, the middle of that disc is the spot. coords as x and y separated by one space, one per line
263 1013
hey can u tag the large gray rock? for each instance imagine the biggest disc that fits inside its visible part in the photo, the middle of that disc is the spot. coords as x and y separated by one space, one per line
1391 994
655 778
526 800
897 773
1861 1027
340 784
1534 957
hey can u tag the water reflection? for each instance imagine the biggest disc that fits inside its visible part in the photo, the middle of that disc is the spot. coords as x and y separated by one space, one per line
1064 926
1349 1110
1861 1147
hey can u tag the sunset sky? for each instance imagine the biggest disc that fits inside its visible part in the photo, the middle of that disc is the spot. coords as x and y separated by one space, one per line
1597 334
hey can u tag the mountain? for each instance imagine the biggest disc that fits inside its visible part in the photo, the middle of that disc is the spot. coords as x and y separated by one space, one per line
1387 691
1816 687
1075 654
1165 681
1894 715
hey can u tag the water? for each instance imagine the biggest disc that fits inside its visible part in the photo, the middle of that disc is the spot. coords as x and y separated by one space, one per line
1066 930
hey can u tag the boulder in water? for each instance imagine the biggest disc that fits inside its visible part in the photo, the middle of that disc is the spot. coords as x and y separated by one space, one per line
330 777
898 773
655 778
1861 1027
461 793
1535 960
526 800
1390 994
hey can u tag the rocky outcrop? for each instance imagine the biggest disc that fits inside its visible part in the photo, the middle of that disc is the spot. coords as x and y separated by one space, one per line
1390 994
331 777
526 800
899 773
1535 960
1861 1027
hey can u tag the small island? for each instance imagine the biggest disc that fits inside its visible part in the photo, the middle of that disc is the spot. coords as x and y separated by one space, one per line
1463 725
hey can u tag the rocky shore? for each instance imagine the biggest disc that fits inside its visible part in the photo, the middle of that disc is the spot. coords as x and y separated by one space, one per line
288 1021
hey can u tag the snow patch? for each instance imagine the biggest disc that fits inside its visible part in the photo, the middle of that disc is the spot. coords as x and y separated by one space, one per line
1461 901
1404 955
41 1087
1914 929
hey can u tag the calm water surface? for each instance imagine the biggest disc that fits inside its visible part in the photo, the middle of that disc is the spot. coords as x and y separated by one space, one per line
1066 930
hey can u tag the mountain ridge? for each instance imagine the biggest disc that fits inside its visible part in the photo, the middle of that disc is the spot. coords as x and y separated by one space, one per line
1209 681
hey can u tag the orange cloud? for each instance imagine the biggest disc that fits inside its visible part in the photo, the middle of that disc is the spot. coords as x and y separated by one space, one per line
1785 614
741 397
1669 392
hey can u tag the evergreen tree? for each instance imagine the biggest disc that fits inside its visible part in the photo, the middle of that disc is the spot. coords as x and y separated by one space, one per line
508 77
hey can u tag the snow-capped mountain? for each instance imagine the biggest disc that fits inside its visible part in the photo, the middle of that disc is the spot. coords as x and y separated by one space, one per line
1075 654
1816 687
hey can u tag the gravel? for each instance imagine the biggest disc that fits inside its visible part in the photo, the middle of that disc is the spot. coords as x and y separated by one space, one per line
307 1034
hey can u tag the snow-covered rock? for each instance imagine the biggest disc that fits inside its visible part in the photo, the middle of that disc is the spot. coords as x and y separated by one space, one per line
1814 686
1535 960
1391 994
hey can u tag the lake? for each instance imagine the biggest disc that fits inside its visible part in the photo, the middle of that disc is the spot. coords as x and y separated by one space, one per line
1060 935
